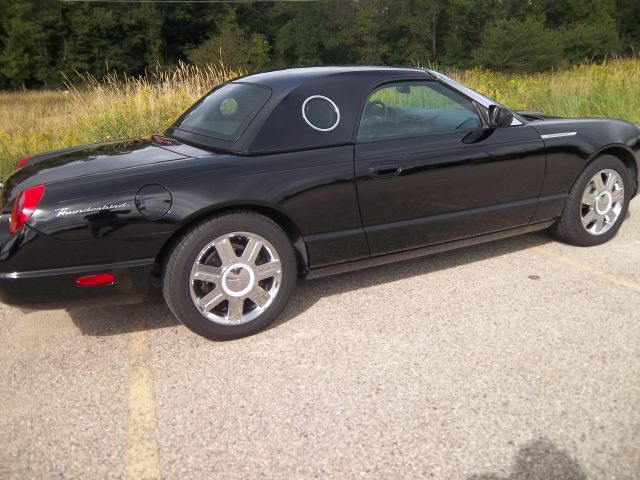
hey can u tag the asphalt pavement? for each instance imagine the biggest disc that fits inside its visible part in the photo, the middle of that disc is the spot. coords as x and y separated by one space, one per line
518 359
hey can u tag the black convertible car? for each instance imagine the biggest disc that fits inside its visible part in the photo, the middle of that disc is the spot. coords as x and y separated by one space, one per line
302 172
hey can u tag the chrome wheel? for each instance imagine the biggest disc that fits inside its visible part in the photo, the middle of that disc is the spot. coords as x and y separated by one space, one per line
235 278
602 202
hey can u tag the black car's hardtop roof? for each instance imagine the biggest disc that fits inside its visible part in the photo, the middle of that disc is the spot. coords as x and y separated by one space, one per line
292 77
279 126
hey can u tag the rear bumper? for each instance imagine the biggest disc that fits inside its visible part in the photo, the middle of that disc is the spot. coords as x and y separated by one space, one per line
39 272
56 287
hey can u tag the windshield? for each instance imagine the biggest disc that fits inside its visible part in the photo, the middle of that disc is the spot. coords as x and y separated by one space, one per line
226 112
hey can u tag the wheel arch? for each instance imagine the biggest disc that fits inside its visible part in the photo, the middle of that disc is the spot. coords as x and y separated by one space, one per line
280 218
626 156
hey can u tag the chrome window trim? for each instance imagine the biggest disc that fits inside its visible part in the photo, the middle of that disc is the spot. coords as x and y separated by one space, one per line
486 102
333 105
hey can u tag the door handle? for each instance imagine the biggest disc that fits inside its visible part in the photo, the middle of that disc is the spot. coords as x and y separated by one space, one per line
385 170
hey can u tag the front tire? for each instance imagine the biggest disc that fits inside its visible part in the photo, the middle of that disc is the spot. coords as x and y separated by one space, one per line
230 276
597 204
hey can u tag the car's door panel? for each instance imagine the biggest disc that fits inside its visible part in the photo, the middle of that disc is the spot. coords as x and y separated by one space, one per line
445 189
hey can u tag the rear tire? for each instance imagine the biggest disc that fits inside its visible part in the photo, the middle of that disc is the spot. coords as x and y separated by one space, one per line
597 204
230 276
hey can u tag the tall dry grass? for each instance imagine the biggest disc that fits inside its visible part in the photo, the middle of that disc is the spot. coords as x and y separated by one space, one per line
91 110
608 89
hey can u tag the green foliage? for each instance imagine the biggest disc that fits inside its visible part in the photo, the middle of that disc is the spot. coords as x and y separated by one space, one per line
29 34
303 37
592 39
258 48
628 18
40 39
234 49
90 44
370 22
519 45
229 47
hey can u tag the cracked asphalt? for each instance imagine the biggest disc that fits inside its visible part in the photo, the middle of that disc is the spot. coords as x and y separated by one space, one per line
518 359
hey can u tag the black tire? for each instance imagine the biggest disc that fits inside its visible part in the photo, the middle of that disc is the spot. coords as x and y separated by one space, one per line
176 279
569 227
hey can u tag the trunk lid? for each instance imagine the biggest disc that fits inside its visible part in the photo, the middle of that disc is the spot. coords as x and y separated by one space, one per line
85 160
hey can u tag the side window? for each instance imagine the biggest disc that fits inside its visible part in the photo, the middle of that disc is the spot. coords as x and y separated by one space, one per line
408 109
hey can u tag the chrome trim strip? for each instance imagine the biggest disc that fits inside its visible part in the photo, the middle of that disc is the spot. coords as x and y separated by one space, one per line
558 135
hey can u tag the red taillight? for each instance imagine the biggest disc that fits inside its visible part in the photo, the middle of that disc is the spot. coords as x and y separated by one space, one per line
96 280
22 161
24 206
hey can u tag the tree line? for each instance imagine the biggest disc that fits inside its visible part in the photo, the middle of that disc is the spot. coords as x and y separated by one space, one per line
42 39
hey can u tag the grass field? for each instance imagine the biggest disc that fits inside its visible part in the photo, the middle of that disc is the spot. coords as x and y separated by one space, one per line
90 111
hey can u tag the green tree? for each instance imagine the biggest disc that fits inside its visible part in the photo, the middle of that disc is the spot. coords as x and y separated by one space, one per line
233 49
519 45
413 31
588 28
29 43
371 20
120 37
590 40
259 53
229 47
40 38
628 25
462 30
304 36
186 25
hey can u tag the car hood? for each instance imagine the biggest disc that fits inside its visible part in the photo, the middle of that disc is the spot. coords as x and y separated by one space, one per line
86 160
550 121
610 129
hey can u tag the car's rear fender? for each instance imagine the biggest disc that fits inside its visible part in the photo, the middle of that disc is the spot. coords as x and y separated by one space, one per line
270 211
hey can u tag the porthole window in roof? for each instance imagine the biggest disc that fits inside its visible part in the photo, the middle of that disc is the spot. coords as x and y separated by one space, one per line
320 113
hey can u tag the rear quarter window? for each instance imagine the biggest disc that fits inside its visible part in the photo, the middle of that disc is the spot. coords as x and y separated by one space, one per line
226 112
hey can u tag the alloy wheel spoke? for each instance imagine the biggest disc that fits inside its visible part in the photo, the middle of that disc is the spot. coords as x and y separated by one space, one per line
211 299
259 296
267 270
207 273
617 195
597 180
251 251
225 251
236 305
602 201
236 279
588 218
589 198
